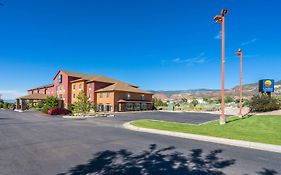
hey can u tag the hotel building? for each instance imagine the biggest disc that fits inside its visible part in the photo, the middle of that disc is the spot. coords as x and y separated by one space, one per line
105 93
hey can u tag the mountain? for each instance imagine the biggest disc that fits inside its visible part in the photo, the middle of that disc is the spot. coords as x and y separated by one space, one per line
248 90
9 100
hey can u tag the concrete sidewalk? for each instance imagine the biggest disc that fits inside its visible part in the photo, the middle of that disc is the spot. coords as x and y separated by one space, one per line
238 143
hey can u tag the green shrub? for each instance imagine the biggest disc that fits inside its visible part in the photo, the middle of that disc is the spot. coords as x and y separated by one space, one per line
159 102
45 109
40 104
263 103
228 99
7 105
1 105
198 108
51 102
70 107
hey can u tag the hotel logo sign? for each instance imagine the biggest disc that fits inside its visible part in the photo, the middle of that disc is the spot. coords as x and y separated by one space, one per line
266 85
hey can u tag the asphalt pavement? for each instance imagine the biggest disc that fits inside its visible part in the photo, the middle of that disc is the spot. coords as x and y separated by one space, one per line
32 144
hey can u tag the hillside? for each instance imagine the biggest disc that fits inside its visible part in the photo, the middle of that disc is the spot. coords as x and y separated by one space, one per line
248 90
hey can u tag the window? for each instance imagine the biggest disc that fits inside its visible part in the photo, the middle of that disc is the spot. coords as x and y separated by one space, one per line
142 97
60 87
80 86
60 78
100 94
60 96
73 95
128 96
129 106
74 86
89 95
100 107
90 86
107 94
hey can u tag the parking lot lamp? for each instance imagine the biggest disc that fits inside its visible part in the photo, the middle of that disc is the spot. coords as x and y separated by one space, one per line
219 19
239 53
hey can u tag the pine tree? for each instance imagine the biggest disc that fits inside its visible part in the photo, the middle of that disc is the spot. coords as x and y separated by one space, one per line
82 105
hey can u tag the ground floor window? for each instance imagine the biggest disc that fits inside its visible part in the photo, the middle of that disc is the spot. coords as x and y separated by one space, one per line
136 106
143 106
100 107
129 106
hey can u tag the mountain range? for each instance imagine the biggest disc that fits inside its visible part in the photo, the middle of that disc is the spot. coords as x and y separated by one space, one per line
248 90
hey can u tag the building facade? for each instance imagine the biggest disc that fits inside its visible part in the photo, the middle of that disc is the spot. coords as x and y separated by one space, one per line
104 93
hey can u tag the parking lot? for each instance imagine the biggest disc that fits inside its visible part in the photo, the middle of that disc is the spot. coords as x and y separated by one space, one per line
33 144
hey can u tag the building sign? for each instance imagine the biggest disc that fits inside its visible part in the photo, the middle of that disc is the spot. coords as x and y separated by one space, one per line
266 85
60 78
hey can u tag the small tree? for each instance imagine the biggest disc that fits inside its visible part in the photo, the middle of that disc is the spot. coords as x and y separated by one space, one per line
82 105
184 100
194 102
205 99
218 100
228 99
51 102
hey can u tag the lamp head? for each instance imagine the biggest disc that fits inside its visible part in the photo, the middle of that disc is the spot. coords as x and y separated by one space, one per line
239 52
224 11
218 19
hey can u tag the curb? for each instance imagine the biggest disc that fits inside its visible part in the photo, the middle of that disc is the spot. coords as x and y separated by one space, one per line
238 143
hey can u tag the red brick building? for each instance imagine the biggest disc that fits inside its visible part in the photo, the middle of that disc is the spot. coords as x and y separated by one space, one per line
105 93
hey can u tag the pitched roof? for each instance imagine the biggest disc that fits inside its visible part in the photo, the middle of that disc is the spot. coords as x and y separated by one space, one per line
44 86
33 97
74 74
123 87
93 77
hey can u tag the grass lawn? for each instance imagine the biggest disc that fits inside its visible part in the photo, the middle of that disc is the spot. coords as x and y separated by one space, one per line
263 129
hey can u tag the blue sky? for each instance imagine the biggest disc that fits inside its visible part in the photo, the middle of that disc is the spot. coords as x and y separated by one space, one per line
156 44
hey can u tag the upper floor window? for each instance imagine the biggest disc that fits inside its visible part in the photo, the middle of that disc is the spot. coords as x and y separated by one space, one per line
128 96
100 94
107 94
80 86
74 86
60 78
142 97
90 86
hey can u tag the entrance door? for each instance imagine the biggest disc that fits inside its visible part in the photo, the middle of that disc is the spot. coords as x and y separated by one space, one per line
108 108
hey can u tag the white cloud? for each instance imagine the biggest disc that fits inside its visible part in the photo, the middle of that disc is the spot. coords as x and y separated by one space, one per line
196 60
200 59
218 36
249 42
177 60
11 94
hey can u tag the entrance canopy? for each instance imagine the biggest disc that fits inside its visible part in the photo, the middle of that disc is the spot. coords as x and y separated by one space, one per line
33 97
21 101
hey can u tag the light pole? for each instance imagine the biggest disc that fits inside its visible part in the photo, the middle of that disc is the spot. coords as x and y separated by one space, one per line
239 53
220 20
